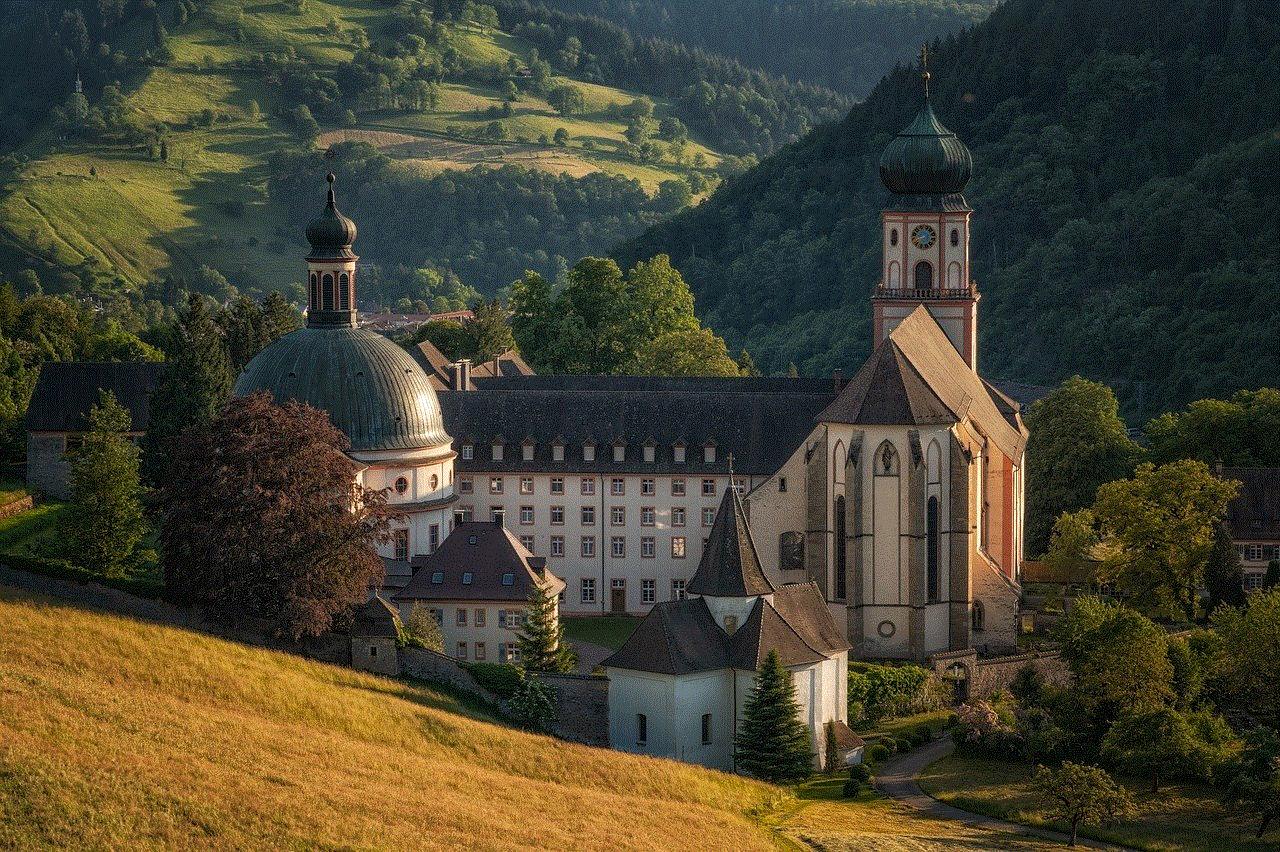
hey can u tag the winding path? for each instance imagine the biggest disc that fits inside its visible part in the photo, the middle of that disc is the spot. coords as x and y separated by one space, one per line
897 780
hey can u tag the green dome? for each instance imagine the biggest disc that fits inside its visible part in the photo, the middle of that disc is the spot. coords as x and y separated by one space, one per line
926 159
373 390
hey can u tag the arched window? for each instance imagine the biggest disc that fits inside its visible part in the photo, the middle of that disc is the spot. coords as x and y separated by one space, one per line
955 237
953 276
979 617
895 276
931 549
314 302
886 460
924 275
344 292
326 292
893 237
841 546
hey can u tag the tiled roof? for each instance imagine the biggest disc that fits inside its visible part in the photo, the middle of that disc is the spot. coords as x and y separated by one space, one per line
804 608
479 560
760 421
916 377
65 392
730 566
676 637
766 630
1254 514
375 618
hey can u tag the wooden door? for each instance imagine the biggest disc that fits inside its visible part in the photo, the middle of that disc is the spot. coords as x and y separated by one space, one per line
618 597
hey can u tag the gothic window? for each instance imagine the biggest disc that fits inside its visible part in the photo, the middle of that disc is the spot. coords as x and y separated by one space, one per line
931 549
791 551
841 547
979 617
924 275
893 237
344 292
953 276
326 292
895 275
886 460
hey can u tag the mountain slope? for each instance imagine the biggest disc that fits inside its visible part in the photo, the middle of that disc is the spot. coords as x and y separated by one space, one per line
1127 198
120 734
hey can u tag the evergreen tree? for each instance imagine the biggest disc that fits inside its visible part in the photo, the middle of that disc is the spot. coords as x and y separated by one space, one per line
106 518
1223 574
542 645
772 743
1272 577
278 316
192 389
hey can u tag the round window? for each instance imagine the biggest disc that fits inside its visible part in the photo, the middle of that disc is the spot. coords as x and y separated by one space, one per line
402 485
435 482
886 629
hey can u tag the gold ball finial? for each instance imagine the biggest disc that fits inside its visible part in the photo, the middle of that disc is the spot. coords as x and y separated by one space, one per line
330 177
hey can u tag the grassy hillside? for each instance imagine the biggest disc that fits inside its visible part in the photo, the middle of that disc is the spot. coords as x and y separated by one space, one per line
116 734
102 210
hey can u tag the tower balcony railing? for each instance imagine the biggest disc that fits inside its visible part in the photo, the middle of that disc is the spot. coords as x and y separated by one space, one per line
968 292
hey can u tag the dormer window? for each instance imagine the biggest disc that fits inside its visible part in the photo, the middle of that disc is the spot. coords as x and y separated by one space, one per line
508 579
466 578
437 577
677 453
497 448
468 451
589 452
527 450
650 451
709 453
557 450
619 452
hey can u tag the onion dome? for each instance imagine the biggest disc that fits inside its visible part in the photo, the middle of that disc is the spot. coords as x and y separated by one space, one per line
331 234
926 159
373 390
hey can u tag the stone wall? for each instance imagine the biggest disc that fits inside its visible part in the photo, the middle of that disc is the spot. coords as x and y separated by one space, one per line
982 677
434 666
582 707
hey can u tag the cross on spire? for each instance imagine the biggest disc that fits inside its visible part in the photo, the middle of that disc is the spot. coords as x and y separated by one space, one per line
924 68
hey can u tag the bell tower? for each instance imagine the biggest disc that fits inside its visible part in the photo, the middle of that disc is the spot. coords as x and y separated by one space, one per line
331 268
925 231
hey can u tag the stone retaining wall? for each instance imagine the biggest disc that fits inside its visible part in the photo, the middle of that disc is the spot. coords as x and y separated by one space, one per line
582 707
434 666
983 677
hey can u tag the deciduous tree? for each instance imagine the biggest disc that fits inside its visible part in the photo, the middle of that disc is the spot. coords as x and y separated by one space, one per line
1251 639
261 518
772 743
1081 795
106 519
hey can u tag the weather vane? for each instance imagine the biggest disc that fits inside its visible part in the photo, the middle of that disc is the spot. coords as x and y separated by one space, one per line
924 68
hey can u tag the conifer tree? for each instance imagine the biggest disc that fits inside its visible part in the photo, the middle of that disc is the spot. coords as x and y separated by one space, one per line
1223 575
278 316
106 518
772 743
542 645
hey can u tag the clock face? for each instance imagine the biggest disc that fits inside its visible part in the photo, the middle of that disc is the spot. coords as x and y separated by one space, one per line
923 237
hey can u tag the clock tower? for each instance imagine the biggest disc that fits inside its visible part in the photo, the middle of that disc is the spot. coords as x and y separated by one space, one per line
925 232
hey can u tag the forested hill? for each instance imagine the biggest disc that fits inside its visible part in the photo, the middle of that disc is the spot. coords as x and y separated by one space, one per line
845 45
1127 198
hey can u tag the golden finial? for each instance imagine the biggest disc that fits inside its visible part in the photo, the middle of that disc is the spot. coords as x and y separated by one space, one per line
924 68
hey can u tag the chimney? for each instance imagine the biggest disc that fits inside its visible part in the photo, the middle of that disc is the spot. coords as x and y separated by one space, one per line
839 380
499 518
455 376
464 373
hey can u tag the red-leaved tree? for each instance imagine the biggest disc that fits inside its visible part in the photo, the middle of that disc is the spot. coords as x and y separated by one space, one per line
261 518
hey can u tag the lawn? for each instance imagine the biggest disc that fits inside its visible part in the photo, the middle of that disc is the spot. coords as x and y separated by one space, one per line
607 631
904 725
1180 818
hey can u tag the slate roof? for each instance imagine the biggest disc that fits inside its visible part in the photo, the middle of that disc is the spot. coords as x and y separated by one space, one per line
65 392
436 366
486 551
730 566
375 618
916 377
1254 514
760 420
681 637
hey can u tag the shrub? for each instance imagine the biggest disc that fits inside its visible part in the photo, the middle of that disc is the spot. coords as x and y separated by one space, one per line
420 629
878 753
850 788
531 705
904 746
922 735
860 772
882 691
501 679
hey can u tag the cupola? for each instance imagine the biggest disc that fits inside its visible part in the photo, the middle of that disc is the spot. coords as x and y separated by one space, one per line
331 234
926 158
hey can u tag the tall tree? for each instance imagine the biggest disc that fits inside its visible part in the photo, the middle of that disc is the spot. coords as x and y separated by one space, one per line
1252 640
489 329
1223 574
278 316
193 387
106 519
243 331
542 645
772 743
1077 443
1159 744
262 518
1257 785
1081 795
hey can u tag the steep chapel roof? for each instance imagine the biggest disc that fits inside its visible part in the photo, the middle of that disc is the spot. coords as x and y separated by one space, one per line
730 566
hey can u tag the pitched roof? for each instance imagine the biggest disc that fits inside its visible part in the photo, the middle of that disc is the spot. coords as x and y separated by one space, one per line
1254 514
676 637
917 378
479 560
680 637
760 420
437 366
730 566
375 618
65 392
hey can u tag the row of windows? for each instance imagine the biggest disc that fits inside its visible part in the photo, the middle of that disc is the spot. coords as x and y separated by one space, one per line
642 729
1258 552
400 540
323 296
497 450
402 484
617 546
648 589
587 485
587 515
955 237
508 652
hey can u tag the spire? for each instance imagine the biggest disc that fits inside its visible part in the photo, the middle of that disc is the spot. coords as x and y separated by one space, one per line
730 567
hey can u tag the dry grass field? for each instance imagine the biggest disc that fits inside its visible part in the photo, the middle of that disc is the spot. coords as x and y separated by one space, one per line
116 734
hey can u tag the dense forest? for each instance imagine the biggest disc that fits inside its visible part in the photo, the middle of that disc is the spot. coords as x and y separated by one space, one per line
845 45
1127 197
